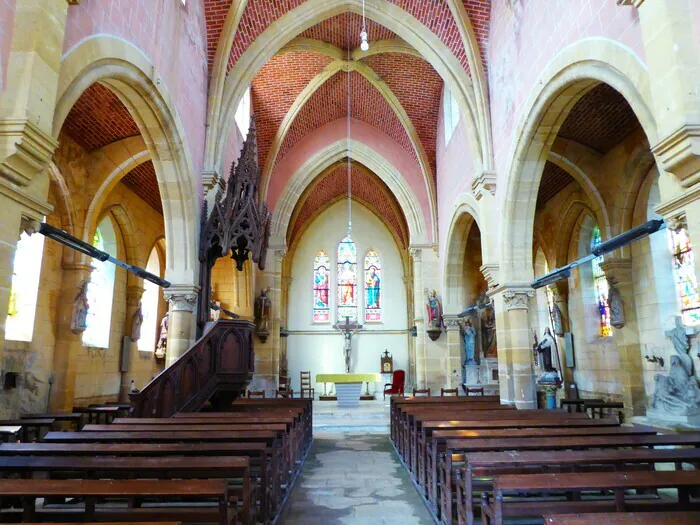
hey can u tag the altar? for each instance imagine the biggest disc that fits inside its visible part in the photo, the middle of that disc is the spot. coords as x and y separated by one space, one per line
348 387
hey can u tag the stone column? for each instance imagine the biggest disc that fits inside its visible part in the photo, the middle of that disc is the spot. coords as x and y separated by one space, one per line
418 379
515 373
454 350
618 272
134 293
267 354
182 300
68 343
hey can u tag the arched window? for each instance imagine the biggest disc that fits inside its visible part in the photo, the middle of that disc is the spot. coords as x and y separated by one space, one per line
242 116
601 287
25 287
149 306
450 114
101 289
684 275
321 287
347 280
373 288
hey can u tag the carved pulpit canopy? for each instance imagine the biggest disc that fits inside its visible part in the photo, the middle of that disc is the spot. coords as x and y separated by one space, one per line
238 223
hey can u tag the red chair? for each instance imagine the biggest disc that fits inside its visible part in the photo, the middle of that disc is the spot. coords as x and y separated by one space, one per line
396 385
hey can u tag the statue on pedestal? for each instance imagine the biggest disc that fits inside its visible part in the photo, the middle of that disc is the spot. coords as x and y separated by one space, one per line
434 309
263 312
617 312
678 393
545 348
163 337
469 338
81 306
136 323
488 328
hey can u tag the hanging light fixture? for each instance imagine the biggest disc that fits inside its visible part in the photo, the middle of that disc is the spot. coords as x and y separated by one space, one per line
349 158
364 44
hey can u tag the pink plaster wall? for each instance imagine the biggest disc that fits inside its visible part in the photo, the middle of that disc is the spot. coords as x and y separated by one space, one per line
331 133
7 21
527 34
175 41
455 172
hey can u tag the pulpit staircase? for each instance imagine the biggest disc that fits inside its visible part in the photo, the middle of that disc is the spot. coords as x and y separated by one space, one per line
217 368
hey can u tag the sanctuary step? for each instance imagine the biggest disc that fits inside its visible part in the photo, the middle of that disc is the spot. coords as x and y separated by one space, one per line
370 416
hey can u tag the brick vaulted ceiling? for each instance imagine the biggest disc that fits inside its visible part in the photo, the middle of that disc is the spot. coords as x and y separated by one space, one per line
367 189
142 180
434 14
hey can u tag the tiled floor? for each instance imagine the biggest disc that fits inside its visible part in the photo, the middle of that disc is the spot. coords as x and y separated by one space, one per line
353 476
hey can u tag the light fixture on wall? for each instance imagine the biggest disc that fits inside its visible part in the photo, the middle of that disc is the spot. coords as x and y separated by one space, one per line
364 44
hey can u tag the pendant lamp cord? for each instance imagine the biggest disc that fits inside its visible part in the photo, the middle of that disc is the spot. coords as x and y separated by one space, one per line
349 159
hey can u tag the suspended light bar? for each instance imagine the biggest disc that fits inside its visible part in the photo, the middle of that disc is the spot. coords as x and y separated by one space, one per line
639 232
472 309
89 250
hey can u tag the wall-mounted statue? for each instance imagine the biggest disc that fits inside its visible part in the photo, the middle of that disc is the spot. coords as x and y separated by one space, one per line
678 393
469 338
434 309
488 329
136 323
617 311
546 348
263 312
81 306
162 345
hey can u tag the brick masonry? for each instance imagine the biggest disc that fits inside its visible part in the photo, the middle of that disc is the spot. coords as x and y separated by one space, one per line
143 182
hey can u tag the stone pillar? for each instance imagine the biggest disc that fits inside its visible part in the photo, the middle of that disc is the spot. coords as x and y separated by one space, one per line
68 343
418 378
182 300
516 376
134 293
454 350
618 272
267 354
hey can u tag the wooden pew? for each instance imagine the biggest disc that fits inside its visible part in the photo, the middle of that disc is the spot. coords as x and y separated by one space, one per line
74 419
9 433
497 507
260 455
108 413
458 450
625 518
233 469
32 426
166 491
487 464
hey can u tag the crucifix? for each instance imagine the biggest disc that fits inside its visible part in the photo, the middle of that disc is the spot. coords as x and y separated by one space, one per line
348 329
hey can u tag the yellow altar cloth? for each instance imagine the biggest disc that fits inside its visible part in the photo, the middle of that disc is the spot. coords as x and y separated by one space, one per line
348 378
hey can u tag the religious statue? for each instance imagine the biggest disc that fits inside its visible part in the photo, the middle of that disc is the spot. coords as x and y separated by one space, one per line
488 329
136 323
546 348
215 311
678 393
373 285
163 337
469 338
617 312
348 329
263 311
557 320
80 310
434 309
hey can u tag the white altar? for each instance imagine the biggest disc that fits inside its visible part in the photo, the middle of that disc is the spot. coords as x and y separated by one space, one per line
348 387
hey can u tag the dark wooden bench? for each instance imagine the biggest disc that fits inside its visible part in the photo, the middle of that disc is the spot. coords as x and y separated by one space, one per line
496 508
31 428
487 464
72 418
625 518
96 413
234 469
9 433
164 491
600 409
576 404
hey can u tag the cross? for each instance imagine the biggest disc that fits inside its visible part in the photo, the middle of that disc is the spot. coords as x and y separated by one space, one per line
348 329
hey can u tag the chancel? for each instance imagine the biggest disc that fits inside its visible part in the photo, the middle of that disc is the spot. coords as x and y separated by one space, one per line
349 261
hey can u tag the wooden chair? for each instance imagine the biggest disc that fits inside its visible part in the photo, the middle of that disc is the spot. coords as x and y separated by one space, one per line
448 392
421 391
287 394
305 381
284 380
256 394
474 391
398 379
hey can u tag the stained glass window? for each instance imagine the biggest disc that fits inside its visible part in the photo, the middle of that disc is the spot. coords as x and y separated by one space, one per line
321 287
347 280
26 270
684 274
149 306
100 290
601 288
373 288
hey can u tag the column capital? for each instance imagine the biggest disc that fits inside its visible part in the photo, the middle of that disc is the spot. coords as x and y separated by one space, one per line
212 181
452 322
617 269
181 297
484 183
679 153
416 254
515 296
134 295
25 150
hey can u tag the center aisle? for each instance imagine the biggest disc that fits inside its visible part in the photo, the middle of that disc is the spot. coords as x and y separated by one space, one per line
352 475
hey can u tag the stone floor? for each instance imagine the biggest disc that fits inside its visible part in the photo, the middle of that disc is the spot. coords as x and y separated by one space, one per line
352 474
